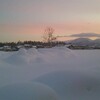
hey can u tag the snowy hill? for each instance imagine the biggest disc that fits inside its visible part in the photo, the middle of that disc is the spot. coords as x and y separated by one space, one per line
96 42
84 41
81 41
50 74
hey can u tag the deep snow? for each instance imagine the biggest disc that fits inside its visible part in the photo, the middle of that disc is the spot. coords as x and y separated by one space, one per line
60 73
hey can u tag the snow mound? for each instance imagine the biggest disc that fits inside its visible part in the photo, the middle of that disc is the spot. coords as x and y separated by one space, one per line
56 54
25 57
27 91
72 85
33 55
20 57
75 77
22 51
32 51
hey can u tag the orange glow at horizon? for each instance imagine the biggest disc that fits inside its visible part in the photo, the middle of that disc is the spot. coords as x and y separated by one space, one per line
67 28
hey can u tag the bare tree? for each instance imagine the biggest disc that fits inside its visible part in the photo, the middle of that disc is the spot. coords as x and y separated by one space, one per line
49 35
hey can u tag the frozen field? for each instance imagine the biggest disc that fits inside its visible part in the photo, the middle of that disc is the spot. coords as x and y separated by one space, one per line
50 74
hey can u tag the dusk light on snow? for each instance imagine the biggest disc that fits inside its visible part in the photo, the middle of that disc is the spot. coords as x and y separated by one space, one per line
49 49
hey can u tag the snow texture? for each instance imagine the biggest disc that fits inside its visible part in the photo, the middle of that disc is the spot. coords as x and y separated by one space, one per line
27 91
50 74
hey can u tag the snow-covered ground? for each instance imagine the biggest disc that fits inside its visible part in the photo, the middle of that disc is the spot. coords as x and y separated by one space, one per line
50 74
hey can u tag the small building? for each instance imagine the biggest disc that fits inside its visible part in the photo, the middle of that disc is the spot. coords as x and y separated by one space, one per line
20 46
27 46
7 48
1 48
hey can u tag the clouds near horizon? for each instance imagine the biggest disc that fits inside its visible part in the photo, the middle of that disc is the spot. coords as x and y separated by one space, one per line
87 35
22 17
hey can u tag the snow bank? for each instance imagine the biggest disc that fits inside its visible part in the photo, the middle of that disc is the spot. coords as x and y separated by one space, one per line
24 57
33 55
56 54
20 57
27 91
73 75
72 85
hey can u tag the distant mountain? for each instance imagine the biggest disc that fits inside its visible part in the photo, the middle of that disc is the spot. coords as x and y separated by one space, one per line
81 41
84 41
96 42
85 35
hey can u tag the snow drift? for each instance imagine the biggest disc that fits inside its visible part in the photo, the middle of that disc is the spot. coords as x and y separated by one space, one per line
72 85
24 56
60 72
27 91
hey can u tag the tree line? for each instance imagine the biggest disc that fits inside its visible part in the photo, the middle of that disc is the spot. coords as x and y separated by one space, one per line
32 43
48 40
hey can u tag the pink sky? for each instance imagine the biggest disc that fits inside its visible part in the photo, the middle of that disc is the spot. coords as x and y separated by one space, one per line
27 19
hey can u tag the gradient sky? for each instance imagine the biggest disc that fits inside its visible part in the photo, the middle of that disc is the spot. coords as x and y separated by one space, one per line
27 19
